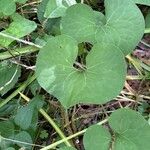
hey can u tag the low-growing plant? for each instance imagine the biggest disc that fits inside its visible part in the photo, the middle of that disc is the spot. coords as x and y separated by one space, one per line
81 61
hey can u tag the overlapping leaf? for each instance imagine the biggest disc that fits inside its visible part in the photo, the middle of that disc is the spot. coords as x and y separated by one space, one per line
9 74
25 114
8 7
51 25
18 28
124 24
6 129
105 69
97 137
131 132
24 137
54 9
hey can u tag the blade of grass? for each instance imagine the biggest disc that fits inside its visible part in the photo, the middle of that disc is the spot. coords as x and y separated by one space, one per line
22 87
18 52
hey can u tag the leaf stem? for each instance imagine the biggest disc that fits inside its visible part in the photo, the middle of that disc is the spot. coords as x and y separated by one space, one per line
19 40
70 137
18 52
22 87
54 125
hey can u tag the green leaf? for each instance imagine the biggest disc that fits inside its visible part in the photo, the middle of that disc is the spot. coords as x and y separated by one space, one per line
43 134
9 109
41 10
51 25
23 136
6 129
9 74
21 1
131 132
80 23
4 144
7 7
105 69
25 114
143 2
18 28
10 148
55 9
97 137
67 148
124 25
23 117
34 87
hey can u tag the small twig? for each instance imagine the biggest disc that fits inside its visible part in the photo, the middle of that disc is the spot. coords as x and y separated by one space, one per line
19 40
145 43
21 64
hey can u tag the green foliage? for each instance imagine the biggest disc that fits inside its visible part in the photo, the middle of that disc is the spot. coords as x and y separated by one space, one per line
127 126
25 114
23 137
20 1
8 7
56 74
122 27
10 148
97 136
6 128
83 63
8 109
54 9
51 25
67 148
43 134
18 28
9 74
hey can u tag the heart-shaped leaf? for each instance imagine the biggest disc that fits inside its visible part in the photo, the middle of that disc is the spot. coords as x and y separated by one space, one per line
131 132
124 24
97 137
105 69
